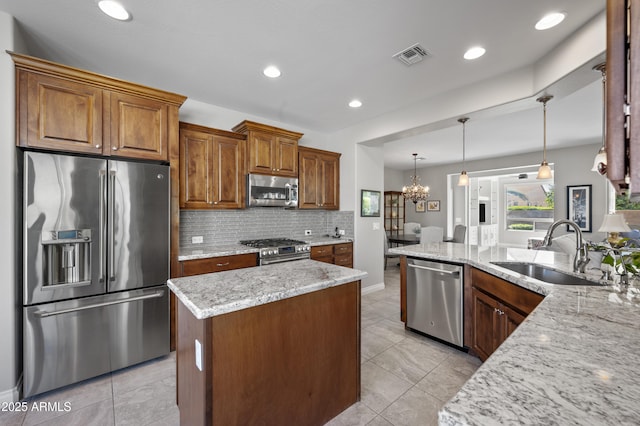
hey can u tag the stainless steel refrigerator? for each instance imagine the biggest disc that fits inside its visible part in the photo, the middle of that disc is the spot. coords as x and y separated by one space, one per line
95 266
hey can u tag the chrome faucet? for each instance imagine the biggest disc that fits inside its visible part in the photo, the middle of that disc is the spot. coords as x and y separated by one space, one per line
582 252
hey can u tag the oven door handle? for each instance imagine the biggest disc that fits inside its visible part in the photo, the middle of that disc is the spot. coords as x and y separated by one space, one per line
280 260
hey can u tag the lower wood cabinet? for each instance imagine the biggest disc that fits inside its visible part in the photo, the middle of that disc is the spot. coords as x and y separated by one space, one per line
207 266
498 307
338 254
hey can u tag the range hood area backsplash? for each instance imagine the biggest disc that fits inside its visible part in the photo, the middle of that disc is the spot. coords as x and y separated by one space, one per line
230 226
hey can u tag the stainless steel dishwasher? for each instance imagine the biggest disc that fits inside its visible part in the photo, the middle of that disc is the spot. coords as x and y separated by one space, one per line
435 299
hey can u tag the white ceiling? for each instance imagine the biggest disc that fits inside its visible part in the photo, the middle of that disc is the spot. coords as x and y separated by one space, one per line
329 52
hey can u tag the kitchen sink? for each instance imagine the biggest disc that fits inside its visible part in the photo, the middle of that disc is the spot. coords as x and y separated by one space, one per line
544 273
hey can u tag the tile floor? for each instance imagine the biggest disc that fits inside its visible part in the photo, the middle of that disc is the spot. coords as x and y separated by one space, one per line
406 378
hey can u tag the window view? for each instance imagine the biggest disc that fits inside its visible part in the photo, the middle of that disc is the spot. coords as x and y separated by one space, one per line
629 209
529 206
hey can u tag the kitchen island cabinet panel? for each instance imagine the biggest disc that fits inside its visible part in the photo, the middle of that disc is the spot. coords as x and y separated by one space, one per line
295 360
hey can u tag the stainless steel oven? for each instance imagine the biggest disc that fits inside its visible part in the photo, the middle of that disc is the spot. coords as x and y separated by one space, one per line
278 250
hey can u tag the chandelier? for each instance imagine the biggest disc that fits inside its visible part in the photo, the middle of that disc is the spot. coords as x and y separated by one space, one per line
415 192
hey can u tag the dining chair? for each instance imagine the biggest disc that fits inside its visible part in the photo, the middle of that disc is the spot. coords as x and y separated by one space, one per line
459 234
410 227
387 255
431 234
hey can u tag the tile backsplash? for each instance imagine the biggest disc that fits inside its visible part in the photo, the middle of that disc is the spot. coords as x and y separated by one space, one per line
231 226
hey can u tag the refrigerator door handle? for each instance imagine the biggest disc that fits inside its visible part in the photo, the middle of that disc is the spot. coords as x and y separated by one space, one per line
44 314
110 231
102 225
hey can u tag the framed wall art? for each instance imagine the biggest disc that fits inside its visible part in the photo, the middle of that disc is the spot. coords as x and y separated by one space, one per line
433 206
369 203
579 206
421 206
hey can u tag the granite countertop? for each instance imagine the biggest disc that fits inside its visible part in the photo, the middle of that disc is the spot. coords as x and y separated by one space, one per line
219 293
207 251
574 360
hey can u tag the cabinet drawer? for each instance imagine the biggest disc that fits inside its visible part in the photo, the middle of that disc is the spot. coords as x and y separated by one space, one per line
345 260
218 264
321 251
345 248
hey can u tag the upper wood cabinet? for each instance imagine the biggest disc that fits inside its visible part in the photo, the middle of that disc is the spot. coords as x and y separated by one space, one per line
212 168
623 96
66 109
270 150
319 179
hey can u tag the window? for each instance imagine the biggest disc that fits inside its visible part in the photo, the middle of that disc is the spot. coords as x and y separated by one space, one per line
629 209
529 206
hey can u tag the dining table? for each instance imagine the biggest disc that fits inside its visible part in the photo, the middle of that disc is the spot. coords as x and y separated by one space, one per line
400 238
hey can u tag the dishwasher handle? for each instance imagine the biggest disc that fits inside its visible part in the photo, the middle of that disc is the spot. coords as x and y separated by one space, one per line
443 271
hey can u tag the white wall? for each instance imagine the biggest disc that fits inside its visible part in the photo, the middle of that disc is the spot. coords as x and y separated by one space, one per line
572 166
394 180
10 342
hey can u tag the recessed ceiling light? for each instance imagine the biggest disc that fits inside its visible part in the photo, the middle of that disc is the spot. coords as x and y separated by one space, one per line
114 10
355 103
550 20
272 71
474 52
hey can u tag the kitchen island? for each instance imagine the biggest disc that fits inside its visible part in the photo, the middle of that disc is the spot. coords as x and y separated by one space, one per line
574 360
274 344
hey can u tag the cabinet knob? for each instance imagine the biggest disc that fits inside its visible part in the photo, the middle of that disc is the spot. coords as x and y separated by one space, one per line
114 148
97 146
215 202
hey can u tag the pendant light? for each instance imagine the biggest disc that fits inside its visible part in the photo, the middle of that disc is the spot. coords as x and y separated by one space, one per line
463 179
600 162
544 172
415 192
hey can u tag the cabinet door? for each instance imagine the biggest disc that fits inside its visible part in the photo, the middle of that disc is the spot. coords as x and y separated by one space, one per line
286 157
57 114
308 197
486 324
329 182
196 173
138 127
343 254
261 152
228 170
511 320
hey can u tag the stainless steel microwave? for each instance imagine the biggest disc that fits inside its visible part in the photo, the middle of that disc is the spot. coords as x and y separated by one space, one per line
271 191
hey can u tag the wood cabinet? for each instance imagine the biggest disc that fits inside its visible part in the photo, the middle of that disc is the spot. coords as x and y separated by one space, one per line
66 109
206 266
338 254
218 264
623 96
498 307
394 212
212 168
318 179
270 150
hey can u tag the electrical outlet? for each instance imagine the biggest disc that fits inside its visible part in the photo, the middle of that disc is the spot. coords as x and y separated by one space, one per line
197 240
341 232
307 232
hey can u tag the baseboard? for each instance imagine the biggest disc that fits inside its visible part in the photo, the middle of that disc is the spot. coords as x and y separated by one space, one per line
371 288
11 395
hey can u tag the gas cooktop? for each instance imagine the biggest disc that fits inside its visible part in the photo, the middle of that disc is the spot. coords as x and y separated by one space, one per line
272 242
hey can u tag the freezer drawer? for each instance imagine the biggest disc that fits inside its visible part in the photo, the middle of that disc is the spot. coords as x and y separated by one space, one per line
66 342
435 299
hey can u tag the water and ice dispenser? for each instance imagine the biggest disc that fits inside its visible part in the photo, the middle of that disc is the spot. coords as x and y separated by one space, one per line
67 257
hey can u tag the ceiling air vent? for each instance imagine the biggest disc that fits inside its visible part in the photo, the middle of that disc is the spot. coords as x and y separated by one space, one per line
412 55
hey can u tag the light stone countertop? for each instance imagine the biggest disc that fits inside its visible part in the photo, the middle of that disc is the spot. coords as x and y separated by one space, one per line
574 361
208 251
219 293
